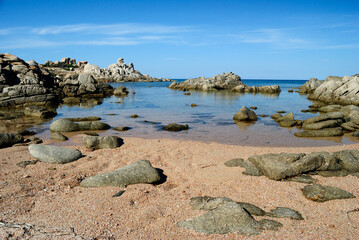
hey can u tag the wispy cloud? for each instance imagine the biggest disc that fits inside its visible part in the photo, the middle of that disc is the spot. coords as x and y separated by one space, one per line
100 35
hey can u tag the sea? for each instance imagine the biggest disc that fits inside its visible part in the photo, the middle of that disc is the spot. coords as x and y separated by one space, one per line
210 121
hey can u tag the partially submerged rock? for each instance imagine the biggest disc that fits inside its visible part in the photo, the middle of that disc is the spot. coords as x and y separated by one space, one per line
58 136
65 125
106 142
245 114
228 217
121 91
137 172
319 193
40 112
326 132
174 127
54 154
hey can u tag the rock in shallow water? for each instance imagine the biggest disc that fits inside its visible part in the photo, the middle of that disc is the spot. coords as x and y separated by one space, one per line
137 172
319 193
58 136
65 125
174 127
245 114
54 154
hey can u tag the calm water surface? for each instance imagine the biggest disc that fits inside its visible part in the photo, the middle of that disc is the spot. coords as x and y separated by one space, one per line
210 121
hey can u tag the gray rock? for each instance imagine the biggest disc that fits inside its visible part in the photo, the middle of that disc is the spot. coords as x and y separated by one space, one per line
9 139
303 178
84 119
250 169
276 116
282 212
270 224
245 114
348 160
208 203
58 136
330 108
174 127
322 124
319 193
64 125
121 91
93 126
228 217
106 142
54 154
23 164
236 162
326 132
310 85
252 209
283 165
324 117
356 134
137 172
337 90
121 129
40 112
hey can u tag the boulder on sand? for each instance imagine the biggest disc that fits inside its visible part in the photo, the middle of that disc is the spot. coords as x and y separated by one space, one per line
54 154
106 142
137 172
319 193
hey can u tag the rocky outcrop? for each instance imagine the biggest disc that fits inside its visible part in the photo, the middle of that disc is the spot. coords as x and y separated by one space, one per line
283 165
310 85
137 172
24 84
119 72
83 85
228 81
337 90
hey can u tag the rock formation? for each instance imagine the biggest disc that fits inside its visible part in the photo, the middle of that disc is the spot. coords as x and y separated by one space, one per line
333 90
24 84
228 81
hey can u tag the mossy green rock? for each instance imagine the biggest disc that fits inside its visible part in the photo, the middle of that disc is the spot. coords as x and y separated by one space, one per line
137 172
319 193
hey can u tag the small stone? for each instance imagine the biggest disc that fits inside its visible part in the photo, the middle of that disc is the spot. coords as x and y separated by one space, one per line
282 212
281 111
174 127
121 129
91 133
134 116
23 164
119 193
270 224
58 136
54 154
188 93
194 105
253 107
319 193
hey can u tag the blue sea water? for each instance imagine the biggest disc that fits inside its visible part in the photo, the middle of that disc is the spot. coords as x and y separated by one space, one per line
211 120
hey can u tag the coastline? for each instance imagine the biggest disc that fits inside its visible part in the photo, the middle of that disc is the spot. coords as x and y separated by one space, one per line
49 195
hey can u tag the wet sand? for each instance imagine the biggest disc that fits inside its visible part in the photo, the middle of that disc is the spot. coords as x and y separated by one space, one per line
49 198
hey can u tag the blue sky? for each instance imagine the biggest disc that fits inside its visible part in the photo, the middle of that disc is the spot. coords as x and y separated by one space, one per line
270 39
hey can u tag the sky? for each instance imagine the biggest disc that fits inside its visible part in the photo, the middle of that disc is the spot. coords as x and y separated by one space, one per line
258 39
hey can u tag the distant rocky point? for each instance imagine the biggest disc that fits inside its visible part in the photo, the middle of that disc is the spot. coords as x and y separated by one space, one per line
225 81
116 72
333 90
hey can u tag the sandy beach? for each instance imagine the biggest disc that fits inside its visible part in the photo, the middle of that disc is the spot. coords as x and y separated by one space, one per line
48 197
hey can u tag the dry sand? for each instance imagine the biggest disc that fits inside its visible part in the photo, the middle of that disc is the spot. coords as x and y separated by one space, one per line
48 197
